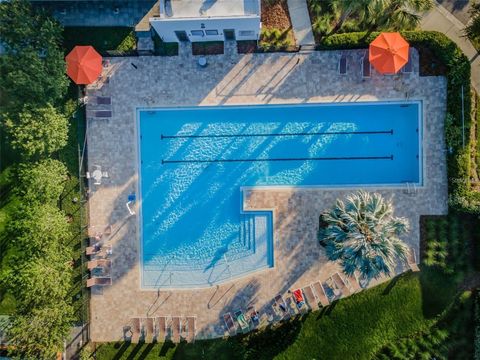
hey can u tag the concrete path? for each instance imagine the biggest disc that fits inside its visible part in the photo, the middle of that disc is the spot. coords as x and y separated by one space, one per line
302 26
440 19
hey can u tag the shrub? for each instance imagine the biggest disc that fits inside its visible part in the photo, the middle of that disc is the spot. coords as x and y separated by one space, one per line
37 132
275 39
42 182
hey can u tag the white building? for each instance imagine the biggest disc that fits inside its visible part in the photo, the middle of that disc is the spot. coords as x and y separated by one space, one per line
207 20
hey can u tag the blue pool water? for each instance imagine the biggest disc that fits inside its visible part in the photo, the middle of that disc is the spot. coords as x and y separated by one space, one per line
194 162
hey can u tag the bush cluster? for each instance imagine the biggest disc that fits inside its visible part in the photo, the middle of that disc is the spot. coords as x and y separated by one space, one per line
462 196
38 268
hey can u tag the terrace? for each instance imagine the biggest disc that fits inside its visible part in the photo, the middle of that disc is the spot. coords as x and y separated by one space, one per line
234 79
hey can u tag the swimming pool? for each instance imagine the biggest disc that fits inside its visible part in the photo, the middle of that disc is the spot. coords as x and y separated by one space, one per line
194 161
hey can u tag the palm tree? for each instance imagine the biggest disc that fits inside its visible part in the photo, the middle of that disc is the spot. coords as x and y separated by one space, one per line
395 14
363 235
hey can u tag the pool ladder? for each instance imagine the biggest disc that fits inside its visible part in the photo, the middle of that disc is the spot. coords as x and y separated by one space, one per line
411 189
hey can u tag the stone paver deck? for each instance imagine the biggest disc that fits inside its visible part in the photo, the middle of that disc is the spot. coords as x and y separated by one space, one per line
240 79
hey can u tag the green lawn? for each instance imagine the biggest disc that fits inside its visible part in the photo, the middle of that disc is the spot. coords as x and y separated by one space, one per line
354 328
101 38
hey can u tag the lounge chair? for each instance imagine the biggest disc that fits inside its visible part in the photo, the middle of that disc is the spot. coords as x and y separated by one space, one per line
161 328
342 286
282 306
150 331
352 283
298 298
242 320
229 323
254 316
136 330
342 64
310 297
366 66
412 260
103 263
190 329
320 293
103 113
176 329
99 281
104 100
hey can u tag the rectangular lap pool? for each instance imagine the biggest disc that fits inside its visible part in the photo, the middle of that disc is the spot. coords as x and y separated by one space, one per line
193 162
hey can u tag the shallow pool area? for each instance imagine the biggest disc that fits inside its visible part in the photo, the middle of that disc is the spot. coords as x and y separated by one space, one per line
195 161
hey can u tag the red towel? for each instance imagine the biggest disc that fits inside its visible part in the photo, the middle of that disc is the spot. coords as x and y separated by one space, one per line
298 295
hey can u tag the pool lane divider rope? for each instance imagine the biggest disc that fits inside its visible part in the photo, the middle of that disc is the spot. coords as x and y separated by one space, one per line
388 132
277 159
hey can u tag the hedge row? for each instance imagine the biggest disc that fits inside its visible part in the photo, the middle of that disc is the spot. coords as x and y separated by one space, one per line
462 197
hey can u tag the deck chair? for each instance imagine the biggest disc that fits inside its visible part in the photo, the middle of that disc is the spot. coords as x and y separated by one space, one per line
310 297
190 329
136 330
297 296
320 293
352 283
149 329
99 281
242 320
412 260
176 329
342 64
161 328
105 174
103 263
408 67
342 286
103 113
229 323
366 66
281 305
104 100
254 316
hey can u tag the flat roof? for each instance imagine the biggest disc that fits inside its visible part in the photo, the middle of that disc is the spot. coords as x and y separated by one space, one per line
209 8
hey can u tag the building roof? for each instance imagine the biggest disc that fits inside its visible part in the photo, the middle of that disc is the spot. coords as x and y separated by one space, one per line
208 8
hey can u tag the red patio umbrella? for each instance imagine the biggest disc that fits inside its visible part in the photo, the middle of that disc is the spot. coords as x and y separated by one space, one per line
84 64
388 53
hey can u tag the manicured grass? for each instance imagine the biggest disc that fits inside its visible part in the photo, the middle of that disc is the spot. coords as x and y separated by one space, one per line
354 328
101 38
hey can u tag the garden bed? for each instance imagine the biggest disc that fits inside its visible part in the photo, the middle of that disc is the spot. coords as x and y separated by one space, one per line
162 48
103 39
208 48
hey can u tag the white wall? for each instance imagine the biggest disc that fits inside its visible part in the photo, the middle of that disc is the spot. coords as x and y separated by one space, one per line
166 27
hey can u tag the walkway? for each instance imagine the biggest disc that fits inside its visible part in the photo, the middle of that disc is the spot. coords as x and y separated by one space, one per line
302 26
439 19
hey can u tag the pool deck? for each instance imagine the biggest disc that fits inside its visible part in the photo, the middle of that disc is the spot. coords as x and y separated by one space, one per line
239 79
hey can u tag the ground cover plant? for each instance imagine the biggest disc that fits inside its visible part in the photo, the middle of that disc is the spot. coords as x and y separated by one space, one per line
103 39
277 33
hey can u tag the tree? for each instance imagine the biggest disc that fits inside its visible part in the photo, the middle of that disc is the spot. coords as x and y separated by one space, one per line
36 227
395 14
473 28
39 334
363 235
32 70
42 182
37 132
